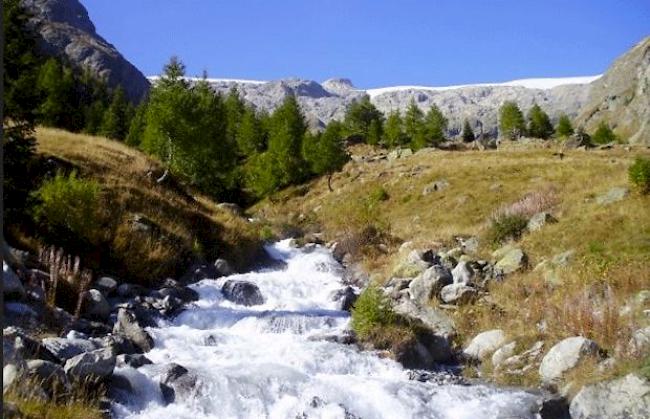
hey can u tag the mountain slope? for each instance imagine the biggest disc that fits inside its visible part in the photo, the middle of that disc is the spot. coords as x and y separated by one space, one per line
622 96
66 30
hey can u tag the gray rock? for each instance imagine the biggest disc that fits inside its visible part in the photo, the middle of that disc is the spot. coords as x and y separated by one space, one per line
435 320
199 271
564 356
539 220
232 208
640 342
49 376
435 186
463 273
223 267
64 29
613 195
511 261
131 290
347 297
95 306
503 353
64 348
12 287
242 292
17 346
458 294
97 364
106 285
132 360
470 245
127 325
428 284
399 153
485 344
624 398
177 381
9 374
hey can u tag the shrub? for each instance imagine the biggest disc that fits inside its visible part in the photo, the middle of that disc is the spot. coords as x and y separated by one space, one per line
378 194
604 134
69 205
372 310
639 174
506 227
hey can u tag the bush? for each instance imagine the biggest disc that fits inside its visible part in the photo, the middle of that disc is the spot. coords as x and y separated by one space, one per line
639 174
604 134
372 310
506 227
69 205
379 194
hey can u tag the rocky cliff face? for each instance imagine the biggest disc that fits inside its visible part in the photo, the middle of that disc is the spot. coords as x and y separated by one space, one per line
66 30
478 103
622 96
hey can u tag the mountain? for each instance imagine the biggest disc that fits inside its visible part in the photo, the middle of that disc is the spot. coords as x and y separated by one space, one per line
66 30
323 102
622 96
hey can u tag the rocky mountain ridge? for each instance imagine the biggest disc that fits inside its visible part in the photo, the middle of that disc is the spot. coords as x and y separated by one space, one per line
65 30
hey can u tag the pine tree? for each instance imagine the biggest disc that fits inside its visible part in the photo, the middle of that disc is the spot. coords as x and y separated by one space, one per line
511 121
116 119
394 130
468 133
564 128
364 120
137 125
286 131
250 134
235 109
539 124
57 86
93 116
435 125
325 152
414 126
604 134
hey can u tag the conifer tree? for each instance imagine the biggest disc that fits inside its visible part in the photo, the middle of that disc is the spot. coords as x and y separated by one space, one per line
564 128
604 134
539 124
116 119
137 125
364 120
250 134
394 130
468 133
435 125
511 121
56 84
286 131
414 125
325 152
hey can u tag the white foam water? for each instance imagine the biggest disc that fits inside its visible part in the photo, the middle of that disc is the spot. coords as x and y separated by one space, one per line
270 361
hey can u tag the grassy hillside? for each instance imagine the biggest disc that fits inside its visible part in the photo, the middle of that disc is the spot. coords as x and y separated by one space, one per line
611 243
143 230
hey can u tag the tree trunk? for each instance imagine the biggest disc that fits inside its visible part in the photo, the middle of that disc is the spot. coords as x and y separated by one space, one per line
329 182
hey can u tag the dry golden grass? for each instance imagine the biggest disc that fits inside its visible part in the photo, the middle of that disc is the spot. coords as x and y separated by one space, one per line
611 243
186 225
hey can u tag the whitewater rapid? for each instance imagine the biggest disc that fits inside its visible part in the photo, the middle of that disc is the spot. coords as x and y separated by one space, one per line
271 361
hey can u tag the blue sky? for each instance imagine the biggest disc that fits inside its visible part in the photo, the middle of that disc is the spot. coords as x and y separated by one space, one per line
375 42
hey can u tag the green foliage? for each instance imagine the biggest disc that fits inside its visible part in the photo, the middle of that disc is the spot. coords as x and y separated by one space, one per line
235 108
379 194
506 227
364 120
371 311
116 121
394 135
137 126
435 125
564 127
262 175
511 121
468 133
250 134
325 153
604 134
639 174
94 115
414 125
69 205
539 124
56 83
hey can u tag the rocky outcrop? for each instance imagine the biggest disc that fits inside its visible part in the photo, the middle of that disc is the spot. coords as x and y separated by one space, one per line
564 356
625 398
65 30
620 96
485 344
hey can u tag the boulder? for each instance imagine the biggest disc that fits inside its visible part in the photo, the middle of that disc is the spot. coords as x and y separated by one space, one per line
613 195
347 297
399 153
539 220
242 292
12 287
95 306
463 273
503 353
64 348
564 356
470 244
132 360
131 290
485 344
177 381
510 260
640 342
223 267
428 284
232 208
199 271
49 376
458 294
97 364
436 186
437 321
127 325
9 374
17 346
624 398
106 285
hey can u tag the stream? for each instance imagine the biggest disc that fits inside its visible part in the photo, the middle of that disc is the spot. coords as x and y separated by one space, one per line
275 360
